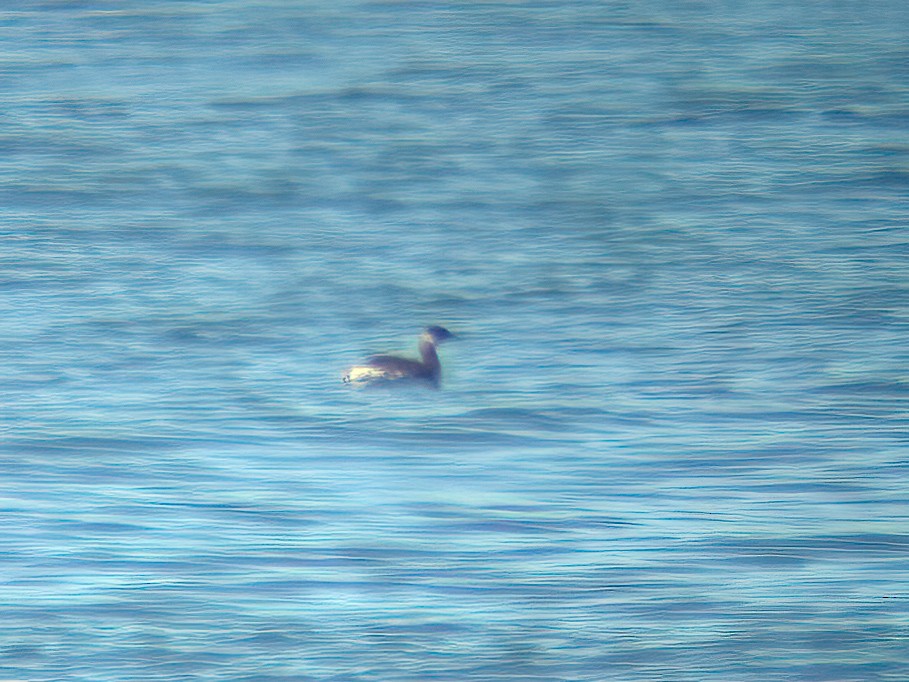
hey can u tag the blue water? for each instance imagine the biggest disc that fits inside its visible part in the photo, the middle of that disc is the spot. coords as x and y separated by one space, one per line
671 443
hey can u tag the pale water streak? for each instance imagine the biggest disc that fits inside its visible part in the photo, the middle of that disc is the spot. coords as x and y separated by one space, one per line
671 442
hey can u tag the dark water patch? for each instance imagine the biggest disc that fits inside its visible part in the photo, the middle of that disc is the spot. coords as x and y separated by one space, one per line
817 547
510 418
510 526
88 444
431 436
886 390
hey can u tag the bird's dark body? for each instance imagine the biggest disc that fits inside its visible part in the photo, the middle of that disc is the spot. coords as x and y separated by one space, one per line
385 369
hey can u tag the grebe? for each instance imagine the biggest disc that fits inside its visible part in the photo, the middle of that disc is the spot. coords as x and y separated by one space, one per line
383 369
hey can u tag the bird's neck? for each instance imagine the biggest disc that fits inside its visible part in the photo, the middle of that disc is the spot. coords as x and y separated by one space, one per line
429 355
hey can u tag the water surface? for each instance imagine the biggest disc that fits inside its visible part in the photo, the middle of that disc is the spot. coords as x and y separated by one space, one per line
671 443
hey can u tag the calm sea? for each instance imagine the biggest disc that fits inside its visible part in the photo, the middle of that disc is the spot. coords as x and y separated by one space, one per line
673 439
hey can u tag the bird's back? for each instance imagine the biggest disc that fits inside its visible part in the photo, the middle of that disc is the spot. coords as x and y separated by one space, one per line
383 368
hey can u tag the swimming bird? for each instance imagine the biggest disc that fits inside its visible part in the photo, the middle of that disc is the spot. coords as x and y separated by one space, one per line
384 369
